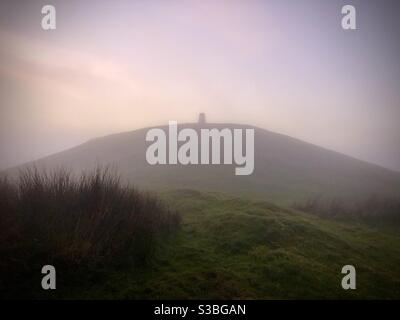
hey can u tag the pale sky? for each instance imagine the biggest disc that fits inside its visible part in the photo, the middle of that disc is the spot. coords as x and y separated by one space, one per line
283 65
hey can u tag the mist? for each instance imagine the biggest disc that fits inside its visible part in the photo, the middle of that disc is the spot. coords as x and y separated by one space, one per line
118 66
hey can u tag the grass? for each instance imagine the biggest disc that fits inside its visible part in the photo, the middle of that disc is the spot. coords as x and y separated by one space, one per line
374 210
113 242
85 226
230 248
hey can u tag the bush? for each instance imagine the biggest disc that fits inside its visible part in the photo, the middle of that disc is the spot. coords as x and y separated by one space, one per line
374 209
75 223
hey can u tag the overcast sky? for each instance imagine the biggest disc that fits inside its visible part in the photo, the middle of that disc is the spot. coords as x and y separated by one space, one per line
286 66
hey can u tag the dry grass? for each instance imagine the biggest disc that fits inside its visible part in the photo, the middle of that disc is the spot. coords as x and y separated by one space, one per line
74 223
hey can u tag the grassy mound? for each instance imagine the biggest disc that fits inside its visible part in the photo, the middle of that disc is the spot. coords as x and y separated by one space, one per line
226 248
80 225
231 248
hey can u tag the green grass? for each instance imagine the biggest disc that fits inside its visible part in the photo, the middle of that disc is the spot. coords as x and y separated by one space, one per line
230 248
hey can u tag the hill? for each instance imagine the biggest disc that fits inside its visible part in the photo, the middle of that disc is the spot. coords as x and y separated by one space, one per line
286 169
112 242
232 248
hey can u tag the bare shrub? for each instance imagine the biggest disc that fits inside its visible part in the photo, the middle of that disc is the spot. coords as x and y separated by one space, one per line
76 222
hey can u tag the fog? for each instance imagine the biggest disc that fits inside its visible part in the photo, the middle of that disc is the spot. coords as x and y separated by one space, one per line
286 66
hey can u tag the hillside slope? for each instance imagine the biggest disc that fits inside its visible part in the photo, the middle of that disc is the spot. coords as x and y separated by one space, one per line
231 248
286 169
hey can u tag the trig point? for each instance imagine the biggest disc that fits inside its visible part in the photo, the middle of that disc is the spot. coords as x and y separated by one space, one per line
202 118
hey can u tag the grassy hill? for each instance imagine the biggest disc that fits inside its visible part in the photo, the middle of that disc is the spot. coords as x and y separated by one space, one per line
235 244
286 169
231 248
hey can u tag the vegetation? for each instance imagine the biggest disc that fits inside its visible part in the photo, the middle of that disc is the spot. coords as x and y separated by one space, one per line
373 209
112 242
286 169
232 248
80 225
